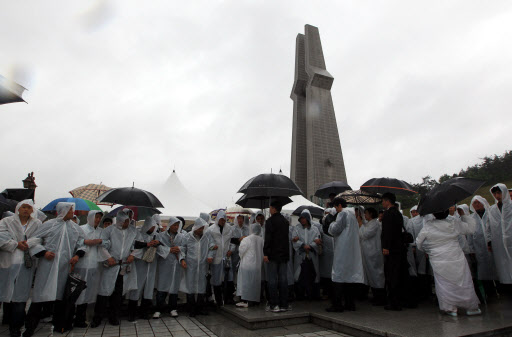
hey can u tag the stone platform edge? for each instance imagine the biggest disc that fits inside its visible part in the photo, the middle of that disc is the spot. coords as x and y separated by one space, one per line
349 328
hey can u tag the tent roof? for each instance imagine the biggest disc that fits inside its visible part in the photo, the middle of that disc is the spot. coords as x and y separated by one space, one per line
178 201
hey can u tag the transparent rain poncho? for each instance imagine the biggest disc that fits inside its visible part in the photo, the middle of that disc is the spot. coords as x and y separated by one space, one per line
121 245
486 270
169 268
501 235
327 256
63 238
146 272
347 264
307 236
454 285
15 278
223 242
89 267
373 260
251 258
196 251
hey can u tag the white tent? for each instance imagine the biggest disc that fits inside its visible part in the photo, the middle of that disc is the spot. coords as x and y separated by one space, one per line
178 201
298 200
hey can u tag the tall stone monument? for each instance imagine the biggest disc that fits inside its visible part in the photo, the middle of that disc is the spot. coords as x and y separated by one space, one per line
316 150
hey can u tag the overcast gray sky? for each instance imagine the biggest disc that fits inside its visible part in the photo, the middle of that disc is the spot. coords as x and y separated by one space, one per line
123 91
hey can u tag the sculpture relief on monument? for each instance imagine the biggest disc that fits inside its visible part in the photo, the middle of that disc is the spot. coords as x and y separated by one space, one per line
316 151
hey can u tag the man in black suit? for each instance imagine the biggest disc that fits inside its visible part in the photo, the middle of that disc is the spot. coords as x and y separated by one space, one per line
392 249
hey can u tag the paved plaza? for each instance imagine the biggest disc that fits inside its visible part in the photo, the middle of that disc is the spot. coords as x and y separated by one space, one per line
212 326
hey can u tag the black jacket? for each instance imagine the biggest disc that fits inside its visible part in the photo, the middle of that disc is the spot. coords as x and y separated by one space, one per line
391 237
276 238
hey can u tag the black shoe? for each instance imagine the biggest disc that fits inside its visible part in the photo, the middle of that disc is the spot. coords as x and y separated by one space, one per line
192 314
28 333
351 307
202 312
393 307
80 325
95 323
334 309
115 321
14 332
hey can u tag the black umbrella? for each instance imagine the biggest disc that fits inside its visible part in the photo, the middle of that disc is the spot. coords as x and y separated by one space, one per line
19 194
130 196
335 187
447 194
10 92
383 185
261 202
270 185
316 212
359 197
139 213
74 287
7 205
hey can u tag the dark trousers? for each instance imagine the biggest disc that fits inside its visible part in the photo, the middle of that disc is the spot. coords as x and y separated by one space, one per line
392 272
80 313
278 284
344 294
160 301
16 316
327 287
59 314
114 302
379 296
194 305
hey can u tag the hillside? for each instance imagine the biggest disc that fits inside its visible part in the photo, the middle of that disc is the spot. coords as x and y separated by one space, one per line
484 191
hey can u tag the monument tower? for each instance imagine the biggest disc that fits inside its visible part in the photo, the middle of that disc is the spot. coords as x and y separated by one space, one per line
316 151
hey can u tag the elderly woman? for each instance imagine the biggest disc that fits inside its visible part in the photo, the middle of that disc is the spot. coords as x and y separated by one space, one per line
373 260
249 274
454 285
16 270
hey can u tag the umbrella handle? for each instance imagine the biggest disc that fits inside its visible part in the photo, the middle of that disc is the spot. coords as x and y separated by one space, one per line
72 268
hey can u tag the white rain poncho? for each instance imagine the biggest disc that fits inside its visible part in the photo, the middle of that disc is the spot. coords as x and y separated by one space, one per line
501 235
347 264
307 236
415 226
205 217
251 258
15 278
463 241
223 242
238 232
64 239
121 246
373 260
169 268
291 252
156 218
410 253
146 272
197 250
327 256
486 269
89 267
454 285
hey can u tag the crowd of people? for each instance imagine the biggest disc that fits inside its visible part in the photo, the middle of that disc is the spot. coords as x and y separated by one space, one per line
351 253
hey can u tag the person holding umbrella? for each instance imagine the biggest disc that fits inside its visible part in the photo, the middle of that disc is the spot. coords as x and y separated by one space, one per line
240 231
454 285
60 248
276 256
16 263
424 286
119 272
